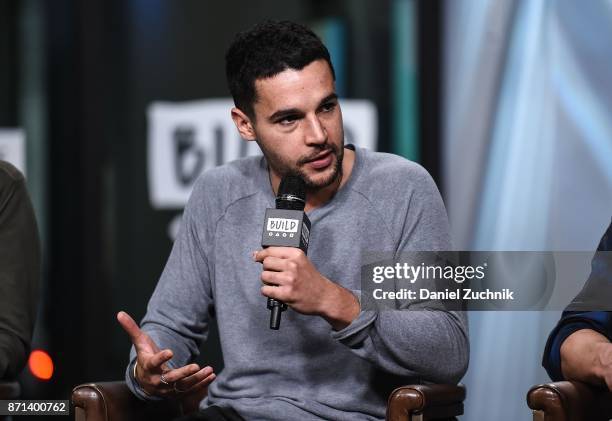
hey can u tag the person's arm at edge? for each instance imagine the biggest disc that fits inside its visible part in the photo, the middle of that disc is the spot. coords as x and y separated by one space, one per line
20 265
586 355
573 321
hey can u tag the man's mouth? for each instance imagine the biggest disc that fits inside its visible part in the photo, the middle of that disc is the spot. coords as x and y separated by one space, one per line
322 160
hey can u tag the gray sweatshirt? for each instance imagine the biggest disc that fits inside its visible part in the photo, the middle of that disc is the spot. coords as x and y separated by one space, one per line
305 370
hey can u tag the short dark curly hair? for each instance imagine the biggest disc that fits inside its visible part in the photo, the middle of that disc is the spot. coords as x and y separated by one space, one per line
266 50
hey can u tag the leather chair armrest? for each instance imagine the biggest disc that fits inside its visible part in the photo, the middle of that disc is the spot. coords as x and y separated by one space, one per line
425 402
113 401
9 390
569 401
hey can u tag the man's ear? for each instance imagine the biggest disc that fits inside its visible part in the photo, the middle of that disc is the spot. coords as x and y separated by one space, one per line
243 124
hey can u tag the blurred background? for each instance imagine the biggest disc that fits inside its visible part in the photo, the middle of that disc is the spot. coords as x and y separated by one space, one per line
112 108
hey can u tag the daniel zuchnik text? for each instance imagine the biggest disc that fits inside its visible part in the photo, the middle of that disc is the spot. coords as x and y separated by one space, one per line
458 274
459 293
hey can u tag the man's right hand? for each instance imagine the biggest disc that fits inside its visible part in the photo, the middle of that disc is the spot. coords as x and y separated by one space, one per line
188 382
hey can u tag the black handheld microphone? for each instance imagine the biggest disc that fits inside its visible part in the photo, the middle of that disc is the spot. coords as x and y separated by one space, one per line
286 226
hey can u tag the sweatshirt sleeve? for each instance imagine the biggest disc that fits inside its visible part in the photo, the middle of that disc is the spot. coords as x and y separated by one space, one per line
179 310
577 315
431 345
572 321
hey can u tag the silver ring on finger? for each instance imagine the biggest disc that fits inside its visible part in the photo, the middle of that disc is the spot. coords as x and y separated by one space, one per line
164 381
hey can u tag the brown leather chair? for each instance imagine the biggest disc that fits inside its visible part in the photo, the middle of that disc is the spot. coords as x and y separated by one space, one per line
569 401
426 402
112 401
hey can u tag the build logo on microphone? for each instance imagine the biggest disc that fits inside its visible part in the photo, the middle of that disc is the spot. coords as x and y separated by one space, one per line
284 227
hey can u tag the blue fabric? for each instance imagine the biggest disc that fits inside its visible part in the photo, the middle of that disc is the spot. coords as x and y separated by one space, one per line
571 321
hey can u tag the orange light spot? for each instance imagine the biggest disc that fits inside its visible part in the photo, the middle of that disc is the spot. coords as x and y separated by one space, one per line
40 364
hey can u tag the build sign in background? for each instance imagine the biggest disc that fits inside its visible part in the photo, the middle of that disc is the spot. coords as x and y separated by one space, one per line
185 139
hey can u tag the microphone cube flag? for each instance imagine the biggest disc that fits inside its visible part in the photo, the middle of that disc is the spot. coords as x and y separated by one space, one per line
286 228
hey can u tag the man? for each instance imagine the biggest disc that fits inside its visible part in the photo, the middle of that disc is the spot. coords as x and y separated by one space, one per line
19 272
330 359
579 347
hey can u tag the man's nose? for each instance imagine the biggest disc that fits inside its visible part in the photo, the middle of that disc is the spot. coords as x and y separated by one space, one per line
316 133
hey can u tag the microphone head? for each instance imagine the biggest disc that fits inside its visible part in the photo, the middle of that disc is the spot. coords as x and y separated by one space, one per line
291 193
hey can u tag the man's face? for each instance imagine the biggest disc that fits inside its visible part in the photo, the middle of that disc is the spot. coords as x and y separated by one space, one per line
298 124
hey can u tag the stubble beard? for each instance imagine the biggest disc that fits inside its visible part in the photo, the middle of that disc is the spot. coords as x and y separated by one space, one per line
283 168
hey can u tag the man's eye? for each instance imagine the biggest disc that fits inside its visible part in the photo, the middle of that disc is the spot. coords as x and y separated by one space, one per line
328 107
286 121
